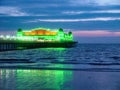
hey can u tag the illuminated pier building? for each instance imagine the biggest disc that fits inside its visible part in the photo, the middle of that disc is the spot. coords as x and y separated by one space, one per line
45 35
37 38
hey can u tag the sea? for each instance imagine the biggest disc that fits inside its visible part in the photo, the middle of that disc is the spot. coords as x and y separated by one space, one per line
84 67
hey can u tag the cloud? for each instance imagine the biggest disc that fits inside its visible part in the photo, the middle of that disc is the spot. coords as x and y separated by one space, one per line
107 2
15 11
77 20
96 33
79 2
89 12
11 11
94 2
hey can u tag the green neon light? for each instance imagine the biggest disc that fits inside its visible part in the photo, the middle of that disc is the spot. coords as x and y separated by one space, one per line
59 36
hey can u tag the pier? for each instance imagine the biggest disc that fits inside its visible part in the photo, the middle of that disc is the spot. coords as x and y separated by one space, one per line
36 38
18 45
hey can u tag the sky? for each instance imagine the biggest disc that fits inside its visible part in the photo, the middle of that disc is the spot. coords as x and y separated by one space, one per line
91 21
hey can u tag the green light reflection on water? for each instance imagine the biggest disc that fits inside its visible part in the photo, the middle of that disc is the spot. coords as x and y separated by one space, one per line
43 79
38 79
34 79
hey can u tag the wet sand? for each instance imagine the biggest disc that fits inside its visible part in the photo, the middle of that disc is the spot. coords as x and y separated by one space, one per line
19 79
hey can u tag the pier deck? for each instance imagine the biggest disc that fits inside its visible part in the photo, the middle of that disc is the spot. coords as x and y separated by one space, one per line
6 45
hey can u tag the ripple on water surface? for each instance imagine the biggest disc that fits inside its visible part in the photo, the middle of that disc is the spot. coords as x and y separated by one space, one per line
84 56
